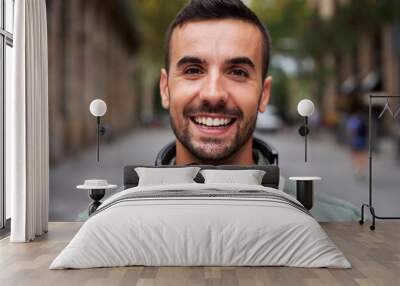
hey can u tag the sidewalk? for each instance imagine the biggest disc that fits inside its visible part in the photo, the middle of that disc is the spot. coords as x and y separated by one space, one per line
325 159
137 148
333 163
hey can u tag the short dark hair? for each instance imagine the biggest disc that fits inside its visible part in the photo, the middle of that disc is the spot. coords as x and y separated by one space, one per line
197 10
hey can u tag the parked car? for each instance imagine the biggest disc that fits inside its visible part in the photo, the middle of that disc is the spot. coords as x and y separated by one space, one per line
269 121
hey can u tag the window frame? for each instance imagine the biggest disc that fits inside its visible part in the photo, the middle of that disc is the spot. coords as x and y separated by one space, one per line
6 39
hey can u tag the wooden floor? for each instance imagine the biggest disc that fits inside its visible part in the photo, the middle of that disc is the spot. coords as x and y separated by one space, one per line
374 255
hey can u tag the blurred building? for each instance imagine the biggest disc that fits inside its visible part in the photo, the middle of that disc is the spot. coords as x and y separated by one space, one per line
372 67
91 55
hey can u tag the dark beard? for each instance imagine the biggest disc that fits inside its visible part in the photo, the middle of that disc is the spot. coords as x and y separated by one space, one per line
213 151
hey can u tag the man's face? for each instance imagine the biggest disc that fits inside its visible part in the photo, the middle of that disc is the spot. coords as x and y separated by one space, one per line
214 87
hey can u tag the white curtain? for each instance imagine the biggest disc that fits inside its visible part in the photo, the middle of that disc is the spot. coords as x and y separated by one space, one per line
27 145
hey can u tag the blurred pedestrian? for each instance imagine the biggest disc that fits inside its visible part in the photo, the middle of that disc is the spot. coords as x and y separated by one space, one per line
315 121
357 132
396 133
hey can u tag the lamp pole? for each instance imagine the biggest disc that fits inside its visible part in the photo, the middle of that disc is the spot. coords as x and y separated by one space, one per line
98 138
305 138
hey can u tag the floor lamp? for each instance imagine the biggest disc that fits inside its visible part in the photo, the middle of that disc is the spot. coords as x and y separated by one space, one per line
98 108
305 108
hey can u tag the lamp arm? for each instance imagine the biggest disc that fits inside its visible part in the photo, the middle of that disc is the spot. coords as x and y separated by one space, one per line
305 138
98 137
100 130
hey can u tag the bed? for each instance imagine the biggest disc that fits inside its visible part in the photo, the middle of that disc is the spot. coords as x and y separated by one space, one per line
201 224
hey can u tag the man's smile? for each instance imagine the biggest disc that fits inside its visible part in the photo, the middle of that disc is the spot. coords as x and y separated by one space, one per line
212 124
213 120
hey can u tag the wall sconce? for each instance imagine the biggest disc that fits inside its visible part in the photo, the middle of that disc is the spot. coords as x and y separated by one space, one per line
98 108
305 108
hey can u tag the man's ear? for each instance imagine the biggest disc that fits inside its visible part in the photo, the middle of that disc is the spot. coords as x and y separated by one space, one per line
164 91
266 92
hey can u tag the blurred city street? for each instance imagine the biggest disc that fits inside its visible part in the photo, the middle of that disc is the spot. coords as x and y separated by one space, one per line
326 159
334 53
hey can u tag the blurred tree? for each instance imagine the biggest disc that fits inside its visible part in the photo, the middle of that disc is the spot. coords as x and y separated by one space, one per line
341 32
287 21
298 29
280 91
300 32
152 19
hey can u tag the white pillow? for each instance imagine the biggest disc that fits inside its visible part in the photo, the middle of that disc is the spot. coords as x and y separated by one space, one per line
162 176
249 177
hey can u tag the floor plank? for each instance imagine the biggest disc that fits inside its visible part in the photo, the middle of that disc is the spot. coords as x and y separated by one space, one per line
374 255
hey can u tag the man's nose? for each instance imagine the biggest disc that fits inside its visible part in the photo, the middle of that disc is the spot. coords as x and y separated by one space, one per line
213 90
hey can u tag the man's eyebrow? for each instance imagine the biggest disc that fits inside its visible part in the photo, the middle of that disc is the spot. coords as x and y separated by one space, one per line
189 60
241 61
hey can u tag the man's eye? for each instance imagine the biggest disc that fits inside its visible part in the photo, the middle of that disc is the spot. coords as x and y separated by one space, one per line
239 72
192 70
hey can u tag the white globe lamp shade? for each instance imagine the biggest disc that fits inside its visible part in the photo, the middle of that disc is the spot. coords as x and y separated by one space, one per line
305 107
98 107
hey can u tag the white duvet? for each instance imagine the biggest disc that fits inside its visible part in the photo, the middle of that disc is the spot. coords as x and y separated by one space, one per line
183 231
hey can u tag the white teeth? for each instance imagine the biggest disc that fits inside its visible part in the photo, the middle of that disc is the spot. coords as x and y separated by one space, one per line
209 121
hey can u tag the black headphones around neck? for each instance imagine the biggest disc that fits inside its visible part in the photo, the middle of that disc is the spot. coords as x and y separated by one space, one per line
168 152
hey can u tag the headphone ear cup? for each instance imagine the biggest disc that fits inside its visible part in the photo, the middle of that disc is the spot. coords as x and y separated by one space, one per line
270 153
166 154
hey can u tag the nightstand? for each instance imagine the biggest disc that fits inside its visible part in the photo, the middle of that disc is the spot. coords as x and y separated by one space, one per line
97 189
304 190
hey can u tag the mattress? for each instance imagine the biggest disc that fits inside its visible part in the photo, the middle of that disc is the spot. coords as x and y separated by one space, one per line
201 225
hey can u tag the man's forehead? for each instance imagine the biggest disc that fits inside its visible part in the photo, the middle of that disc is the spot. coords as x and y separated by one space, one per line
216 39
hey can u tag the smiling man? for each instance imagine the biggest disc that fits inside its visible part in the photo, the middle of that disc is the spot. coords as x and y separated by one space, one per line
215 81
214 84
